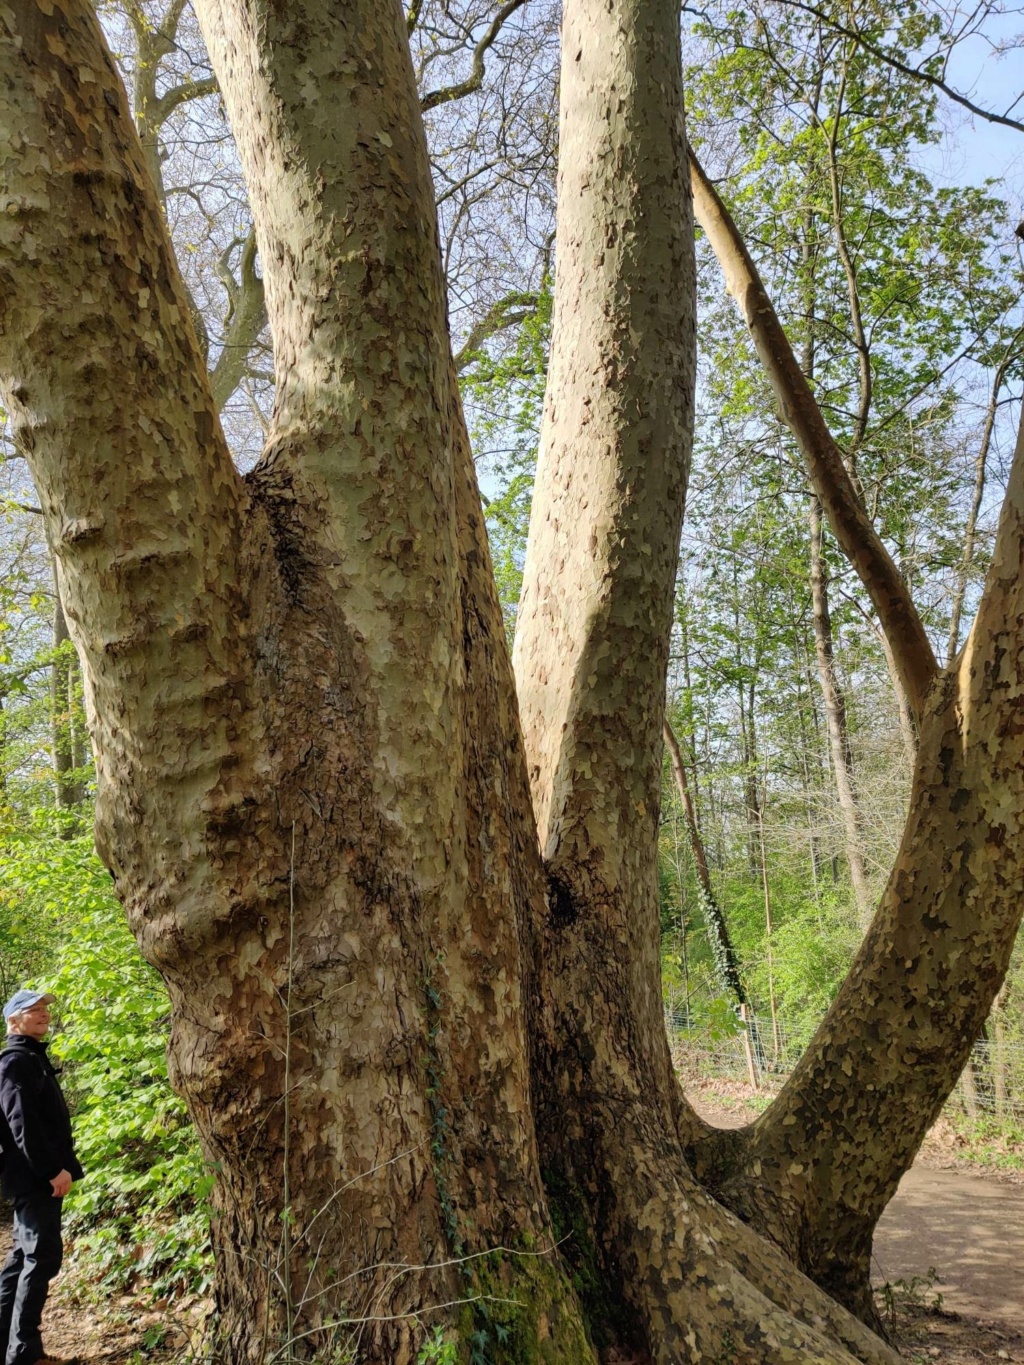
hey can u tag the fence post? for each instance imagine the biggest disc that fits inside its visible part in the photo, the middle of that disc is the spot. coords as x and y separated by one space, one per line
751 1068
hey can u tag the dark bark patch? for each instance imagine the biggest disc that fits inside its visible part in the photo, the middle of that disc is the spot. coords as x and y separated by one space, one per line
946 756
275 492
563 911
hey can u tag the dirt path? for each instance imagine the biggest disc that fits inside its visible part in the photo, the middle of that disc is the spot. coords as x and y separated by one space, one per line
969 1229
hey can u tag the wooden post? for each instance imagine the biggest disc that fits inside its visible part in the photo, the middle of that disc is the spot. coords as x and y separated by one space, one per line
751 1067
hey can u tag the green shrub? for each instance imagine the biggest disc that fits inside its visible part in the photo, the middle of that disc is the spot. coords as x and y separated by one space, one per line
140 1212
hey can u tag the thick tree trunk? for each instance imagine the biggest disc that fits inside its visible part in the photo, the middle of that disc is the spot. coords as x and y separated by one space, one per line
313 793
335 883
590 655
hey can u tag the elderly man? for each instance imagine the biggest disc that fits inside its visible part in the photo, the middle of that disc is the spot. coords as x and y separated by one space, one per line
39 1165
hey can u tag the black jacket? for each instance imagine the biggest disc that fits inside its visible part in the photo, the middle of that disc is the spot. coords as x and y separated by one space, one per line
35 1126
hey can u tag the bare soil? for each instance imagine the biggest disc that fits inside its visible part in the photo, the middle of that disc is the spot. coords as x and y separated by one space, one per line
948 1268
949 1250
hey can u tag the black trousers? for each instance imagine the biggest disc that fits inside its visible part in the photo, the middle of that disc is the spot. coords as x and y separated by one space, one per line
25 1278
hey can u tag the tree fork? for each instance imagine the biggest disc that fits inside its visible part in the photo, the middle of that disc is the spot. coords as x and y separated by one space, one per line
590 657
229 685
816 1170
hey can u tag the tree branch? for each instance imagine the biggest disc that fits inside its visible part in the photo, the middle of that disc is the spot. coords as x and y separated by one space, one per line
165 106
506 312
246 318
829 477
914 72
475 80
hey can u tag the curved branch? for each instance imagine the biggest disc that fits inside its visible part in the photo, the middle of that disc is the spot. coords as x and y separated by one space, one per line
829 477
506 312
170 100
247 316
475 80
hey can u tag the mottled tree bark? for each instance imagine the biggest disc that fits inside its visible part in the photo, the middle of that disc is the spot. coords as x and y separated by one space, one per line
334 882
429 1069
590 657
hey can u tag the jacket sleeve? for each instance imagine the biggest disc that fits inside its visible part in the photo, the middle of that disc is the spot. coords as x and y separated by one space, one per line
19 1099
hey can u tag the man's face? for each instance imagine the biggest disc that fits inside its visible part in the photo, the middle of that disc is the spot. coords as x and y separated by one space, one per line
33 1022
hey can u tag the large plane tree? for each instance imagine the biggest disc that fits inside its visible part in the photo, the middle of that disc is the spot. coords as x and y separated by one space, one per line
403 899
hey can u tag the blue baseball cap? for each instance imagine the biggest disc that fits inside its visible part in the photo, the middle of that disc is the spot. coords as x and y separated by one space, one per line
24 1000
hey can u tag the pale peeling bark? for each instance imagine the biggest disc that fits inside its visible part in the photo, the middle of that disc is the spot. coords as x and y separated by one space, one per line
312 795
590 656
367 453
817 1169
593 623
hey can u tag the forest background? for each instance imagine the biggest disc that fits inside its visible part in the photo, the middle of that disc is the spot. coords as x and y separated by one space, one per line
842 137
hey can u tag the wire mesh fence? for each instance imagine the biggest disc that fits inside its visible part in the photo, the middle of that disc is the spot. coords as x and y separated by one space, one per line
762 1051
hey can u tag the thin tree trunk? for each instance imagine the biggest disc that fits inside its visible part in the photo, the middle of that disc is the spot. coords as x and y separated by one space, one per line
859 335
1000 1089
67 783
908 726
722 952
836 720
971 528
751 790
769 955
969 1089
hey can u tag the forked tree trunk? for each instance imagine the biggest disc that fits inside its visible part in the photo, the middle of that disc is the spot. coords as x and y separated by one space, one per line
312 793
389 1017
817 1169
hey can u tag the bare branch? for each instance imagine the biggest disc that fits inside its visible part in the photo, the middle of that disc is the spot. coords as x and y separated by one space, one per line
507 312
475 80
828 474
180 94
246 318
